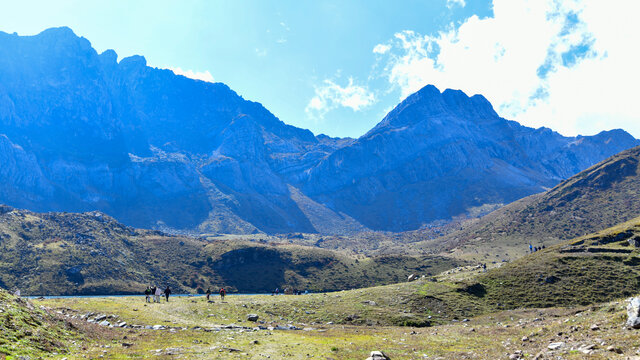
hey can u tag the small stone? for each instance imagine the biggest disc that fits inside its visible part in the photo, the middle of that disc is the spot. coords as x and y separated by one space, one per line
555 346
614 349
525 338
595 327
252 317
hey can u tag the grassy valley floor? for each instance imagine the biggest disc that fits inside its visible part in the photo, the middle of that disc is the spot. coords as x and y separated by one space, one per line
594 332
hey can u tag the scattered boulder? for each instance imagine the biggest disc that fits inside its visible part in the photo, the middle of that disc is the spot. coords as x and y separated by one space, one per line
635 242
555 346
252 317
551 279
614 349
378 355
633 313
412 277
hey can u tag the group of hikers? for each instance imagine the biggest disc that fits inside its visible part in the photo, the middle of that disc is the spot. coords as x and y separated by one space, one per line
157 293
222 293
533 249
288 291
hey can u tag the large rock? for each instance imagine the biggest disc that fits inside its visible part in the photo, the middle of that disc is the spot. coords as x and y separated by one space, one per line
378 355
633 313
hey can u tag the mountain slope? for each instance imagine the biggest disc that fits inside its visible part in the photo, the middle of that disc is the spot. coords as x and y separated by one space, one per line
439 155
595 199
151 148
594 268
92 253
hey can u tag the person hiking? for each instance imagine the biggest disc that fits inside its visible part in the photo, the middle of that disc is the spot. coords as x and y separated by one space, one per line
208 293
167 292
223 292
147 294
157 294
530 248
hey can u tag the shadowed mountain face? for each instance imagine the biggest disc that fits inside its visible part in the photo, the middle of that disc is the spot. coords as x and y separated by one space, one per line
81 131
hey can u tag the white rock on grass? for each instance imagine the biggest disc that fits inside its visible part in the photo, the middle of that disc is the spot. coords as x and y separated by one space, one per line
555 346
633 313
378 355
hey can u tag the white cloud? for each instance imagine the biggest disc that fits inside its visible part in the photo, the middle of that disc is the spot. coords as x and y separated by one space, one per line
331 96
452 3
568 65
381 49
204 75
261 52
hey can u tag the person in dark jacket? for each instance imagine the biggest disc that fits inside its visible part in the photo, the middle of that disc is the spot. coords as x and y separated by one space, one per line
208 294
223 292
147 294
167 292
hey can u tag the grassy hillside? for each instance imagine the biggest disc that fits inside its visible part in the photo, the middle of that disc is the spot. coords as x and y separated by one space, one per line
91 253
590 269
595 199
29 332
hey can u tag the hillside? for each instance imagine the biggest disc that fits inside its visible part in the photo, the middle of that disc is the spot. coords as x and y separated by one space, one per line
30 332
590 269
92 253
600 197
82 131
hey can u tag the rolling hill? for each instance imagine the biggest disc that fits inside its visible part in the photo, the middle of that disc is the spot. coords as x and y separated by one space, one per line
92 253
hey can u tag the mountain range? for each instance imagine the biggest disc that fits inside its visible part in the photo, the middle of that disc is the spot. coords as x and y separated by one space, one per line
82 131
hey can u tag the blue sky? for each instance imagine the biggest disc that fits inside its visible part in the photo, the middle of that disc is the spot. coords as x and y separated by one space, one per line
337 67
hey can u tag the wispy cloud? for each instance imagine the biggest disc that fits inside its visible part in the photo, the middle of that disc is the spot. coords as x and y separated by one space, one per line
570 65
197 75
261 52
452 3
381 49
330 96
